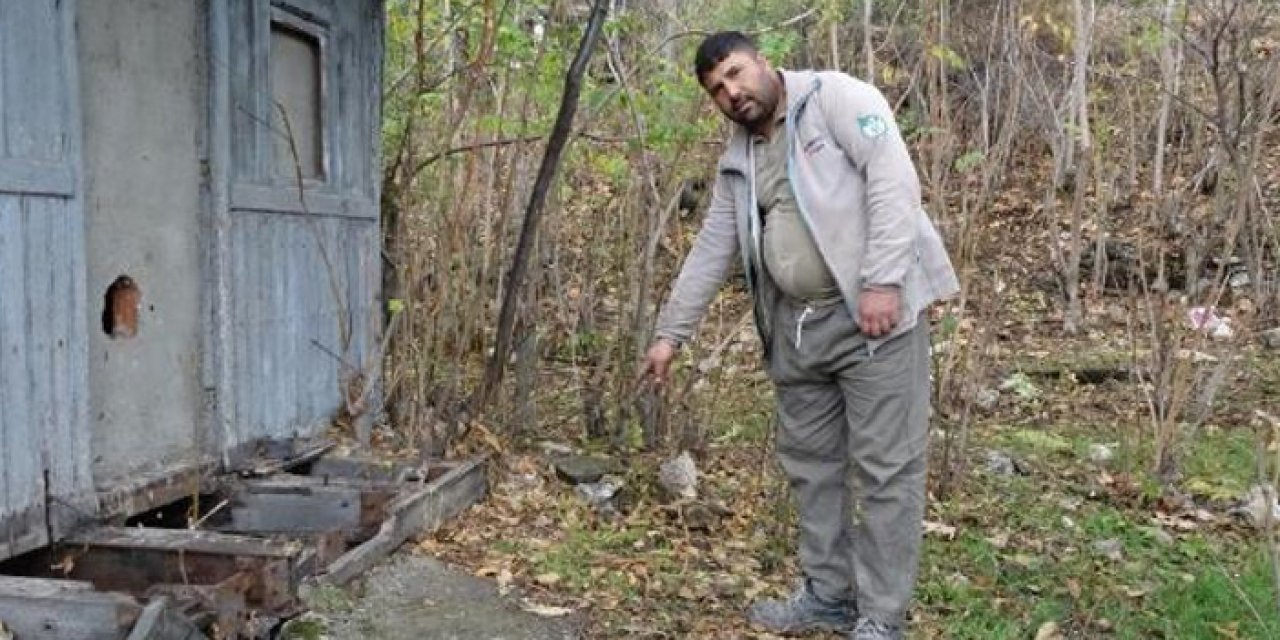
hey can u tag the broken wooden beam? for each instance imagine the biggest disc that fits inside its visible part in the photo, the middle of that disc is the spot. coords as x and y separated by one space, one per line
161 621
271 456
45 609
364 468
420 511
131 560
290 504
147 491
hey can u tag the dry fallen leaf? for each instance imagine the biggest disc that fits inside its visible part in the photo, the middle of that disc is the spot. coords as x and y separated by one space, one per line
1049 631
944 531
544 610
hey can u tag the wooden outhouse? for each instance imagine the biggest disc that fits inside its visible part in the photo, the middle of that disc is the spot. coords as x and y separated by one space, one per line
189 244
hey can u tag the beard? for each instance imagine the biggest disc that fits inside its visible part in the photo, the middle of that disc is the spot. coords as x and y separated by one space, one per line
758 109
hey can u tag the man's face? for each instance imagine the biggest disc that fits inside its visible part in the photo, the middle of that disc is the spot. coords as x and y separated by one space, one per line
745 88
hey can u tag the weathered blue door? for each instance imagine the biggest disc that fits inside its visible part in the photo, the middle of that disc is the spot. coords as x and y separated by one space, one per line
295 117
45 479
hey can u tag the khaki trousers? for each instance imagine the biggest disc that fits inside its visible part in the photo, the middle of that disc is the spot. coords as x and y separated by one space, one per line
852 439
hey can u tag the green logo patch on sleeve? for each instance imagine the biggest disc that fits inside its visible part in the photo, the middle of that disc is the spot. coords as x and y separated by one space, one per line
872 126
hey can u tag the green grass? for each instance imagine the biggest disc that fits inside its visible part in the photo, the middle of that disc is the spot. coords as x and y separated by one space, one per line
1025 556
584 548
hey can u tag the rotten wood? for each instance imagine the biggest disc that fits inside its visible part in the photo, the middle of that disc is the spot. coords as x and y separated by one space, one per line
267 457
147 491
161 621
131 560
308 505
43 609
222 604
420 512
361 468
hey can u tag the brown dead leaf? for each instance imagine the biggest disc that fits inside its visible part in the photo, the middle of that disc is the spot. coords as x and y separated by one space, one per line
1049 631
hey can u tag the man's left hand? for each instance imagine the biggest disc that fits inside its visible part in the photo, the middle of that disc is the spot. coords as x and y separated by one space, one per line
879 310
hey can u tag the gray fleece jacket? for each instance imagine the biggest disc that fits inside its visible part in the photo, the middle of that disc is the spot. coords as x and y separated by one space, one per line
858 194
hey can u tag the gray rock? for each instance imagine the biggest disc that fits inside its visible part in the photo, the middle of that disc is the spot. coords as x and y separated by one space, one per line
679 476
1271 338
580 469
1255 503
600 495
987 399
1001 464
1110 549
1163 537
1100 454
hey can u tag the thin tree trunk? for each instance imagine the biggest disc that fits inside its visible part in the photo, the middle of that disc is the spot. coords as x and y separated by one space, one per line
1080 100
868 51
533 214
1170 61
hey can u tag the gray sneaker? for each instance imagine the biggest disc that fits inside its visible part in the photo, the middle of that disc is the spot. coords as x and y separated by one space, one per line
802 612
868 629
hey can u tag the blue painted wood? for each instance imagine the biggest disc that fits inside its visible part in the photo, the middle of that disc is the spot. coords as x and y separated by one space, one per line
36 111
291 274
41 306
44 437
4 144
19 447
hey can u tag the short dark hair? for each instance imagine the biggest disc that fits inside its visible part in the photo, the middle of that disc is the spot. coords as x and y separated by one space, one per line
717 46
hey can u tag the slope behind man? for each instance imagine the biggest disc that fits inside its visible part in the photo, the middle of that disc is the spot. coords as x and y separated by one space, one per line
818 197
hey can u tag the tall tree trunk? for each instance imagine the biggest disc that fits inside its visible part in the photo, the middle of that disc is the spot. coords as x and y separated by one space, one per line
1080 101
1170 62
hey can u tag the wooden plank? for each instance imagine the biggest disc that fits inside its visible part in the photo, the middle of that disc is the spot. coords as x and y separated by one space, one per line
160 621
242 330
297 508
145 491
294 327
224 602
41 306
284 200
353 508
42 609
268 456
131 560
75 484
37 177
31 50
4 144
280 421
364 468
220 341
65 430
237 28
22 509
418 513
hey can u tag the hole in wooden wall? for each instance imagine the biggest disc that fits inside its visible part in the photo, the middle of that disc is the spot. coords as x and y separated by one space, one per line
120 308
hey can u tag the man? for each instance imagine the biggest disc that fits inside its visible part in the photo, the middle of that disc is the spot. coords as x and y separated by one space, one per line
817 194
